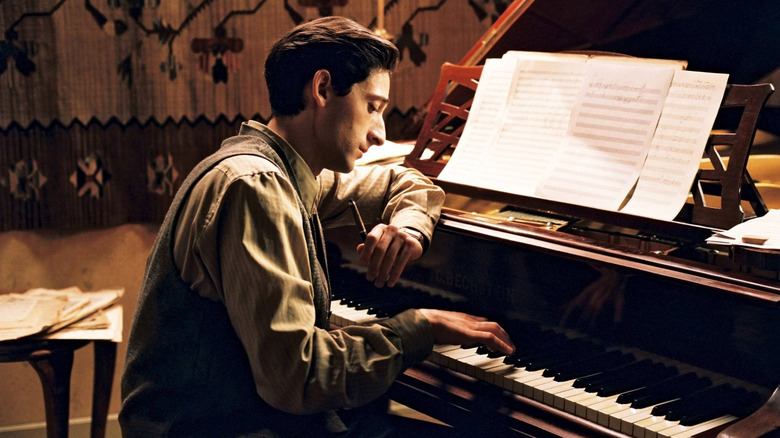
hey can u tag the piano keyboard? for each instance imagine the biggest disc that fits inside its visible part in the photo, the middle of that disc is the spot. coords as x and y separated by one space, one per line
639 397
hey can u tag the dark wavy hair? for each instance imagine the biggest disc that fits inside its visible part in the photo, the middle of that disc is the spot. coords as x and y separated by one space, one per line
349 51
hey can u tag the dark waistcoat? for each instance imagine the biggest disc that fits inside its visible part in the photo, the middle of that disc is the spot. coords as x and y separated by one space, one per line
186 372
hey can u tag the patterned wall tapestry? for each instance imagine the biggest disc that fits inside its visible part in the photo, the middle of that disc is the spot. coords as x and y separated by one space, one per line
106 104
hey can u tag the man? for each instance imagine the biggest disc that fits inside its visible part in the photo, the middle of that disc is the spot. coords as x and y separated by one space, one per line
231 334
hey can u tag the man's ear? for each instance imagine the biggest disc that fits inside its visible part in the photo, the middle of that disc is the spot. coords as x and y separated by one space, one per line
321 89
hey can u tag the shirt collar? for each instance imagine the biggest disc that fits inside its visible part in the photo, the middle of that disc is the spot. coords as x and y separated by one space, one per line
301 172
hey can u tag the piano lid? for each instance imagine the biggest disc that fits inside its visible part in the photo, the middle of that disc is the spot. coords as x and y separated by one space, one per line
738 38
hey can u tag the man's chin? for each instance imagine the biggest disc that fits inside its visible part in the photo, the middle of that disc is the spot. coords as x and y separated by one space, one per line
344 167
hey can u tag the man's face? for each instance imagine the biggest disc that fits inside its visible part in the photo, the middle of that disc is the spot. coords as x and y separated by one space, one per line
353 123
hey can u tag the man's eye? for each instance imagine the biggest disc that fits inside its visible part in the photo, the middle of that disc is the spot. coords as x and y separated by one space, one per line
372 108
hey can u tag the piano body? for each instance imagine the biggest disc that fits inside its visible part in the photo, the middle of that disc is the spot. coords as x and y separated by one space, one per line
625 326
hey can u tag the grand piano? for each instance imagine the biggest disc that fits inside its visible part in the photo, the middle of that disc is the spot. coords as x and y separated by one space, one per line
625 326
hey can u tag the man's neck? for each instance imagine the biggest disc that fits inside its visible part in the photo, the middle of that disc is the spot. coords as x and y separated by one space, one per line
298 135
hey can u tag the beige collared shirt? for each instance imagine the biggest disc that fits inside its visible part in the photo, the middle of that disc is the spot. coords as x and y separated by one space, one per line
240 240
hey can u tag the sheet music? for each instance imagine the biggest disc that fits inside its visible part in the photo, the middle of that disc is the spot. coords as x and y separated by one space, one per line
488 106
534 117
609 135
677 148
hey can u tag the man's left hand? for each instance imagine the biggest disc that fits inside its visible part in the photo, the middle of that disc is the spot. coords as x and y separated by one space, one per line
386 252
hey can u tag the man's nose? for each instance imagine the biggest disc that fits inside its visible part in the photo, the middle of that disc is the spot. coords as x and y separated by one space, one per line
376 136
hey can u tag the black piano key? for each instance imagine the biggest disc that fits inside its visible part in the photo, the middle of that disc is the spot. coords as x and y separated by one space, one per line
674 388
655 373
521 358
660 410
683 406
736 401
564 354
485 351
656 388
605 376
589 365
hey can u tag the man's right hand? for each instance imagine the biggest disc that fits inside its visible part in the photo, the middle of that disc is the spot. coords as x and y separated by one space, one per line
464 329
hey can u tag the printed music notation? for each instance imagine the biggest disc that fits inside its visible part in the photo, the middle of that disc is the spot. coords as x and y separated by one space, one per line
615 133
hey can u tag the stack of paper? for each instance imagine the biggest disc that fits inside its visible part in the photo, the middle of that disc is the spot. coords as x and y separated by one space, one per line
42 311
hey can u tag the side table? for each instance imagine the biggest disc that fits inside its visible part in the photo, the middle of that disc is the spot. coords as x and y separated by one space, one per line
53 361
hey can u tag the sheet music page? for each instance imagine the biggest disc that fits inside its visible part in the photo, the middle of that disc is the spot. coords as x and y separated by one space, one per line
489 102
609 135
677 148
534 119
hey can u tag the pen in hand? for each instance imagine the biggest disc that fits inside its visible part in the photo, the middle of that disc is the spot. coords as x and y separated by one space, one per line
358 220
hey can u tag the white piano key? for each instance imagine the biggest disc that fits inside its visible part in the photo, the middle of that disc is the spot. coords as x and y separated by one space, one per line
654 425
553 388
559 398
478 363
700 428
625 420
350 316
639 423
451 357
508 379
594 411
583 404
607 413
520 387
570 398
439 349
495 375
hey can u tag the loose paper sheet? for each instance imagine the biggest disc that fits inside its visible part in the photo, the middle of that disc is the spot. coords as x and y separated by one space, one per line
767 226
466 163
609 135
530 98
676 150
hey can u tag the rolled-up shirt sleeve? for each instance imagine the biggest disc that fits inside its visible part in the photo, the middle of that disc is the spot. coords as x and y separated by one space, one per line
247 249
394 195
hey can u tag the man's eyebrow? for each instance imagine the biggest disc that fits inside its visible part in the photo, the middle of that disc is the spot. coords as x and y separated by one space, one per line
378 97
